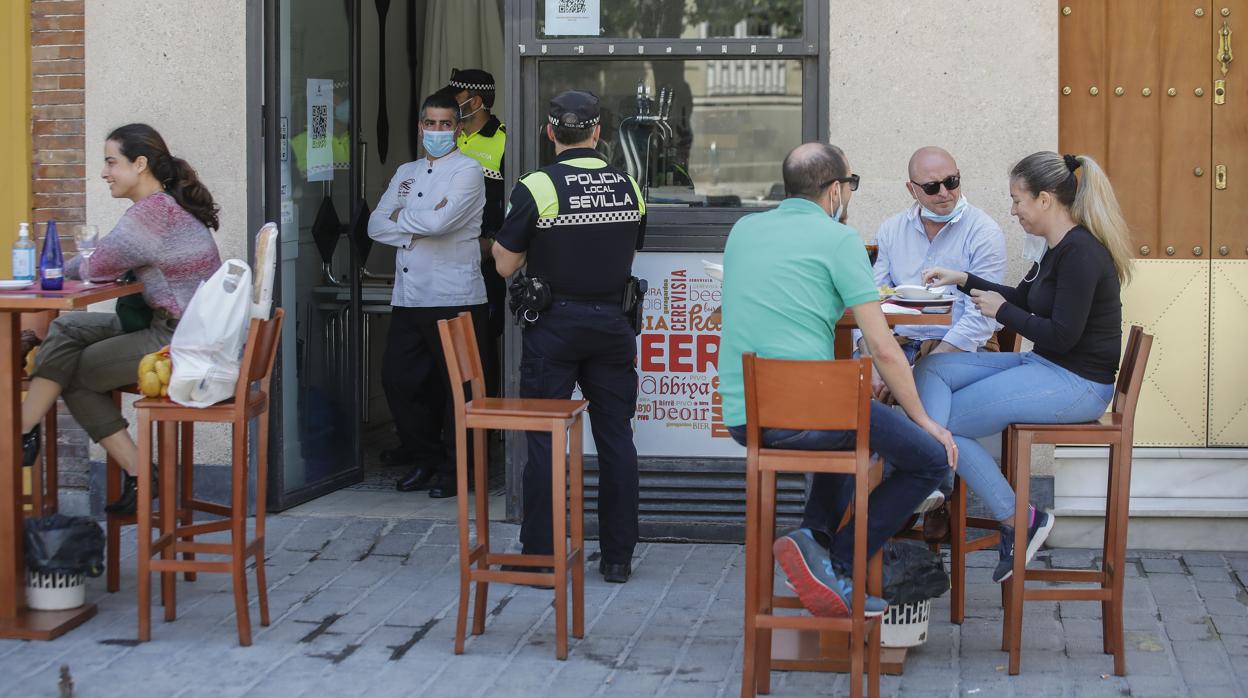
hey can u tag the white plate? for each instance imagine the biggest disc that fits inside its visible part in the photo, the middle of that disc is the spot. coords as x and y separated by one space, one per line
713 270
946 300
14 284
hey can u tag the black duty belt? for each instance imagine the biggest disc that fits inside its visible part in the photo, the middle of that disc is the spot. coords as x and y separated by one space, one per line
615 297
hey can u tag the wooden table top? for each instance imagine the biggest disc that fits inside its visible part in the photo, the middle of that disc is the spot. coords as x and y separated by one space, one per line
74 296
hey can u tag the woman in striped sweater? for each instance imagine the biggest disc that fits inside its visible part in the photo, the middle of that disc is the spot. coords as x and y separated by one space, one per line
165 240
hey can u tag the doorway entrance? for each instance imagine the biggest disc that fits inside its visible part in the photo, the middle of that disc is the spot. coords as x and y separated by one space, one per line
345 79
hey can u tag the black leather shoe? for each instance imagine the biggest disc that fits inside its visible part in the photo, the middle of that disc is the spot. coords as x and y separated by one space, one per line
128 502
615 572
416 479
936 525
394 457
443 486
31 441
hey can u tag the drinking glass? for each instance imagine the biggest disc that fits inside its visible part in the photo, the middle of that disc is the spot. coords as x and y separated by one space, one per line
85 237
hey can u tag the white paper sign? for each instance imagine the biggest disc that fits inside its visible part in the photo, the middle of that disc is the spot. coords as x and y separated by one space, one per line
679 411
320 133
572 17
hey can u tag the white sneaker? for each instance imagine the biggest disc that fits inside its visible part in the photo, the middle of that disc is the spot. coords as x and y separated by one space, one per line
934 500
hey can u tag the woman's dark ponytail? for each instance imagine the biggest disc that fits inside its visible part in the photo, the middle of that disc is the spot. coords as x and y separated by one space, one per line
176 175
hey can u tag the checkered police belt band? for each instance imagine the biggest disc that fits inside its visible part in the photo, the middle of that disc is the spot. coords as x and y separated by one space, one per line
491 174
479 86
584 124
591 218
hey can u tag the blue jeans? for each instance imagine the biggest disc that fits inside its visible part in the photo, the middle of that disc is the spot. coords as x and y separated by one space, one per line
977 395
918 464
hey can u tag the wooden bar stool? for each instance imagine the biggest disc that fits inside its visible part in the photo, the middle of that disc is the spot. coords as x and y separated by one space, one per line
165 416
960 524
562 418
960 546
112 490
1115 430
805 395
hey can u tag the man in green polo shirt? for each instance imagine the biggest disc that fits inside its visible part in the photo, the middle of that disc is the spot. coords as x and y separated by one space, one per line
789 275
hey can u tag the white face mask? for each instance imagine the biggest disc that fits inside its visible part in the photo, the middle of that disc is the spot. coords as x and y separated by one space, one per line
1034 248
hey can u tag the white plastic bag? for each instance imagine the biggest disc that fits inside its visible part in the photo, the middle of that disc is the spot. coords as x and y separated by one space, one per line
207 346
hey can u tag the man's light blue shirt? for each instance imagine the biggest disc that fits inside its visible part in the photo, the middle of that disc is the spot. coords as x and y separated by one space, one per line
971 242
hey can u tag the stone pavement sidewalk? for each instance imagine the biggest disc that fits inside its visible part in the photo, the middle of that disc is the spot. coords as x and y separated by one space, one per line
366 607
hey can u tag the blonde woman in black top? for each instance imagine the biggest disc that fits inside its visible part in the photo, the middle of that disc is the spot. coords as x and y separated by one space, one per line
1068 304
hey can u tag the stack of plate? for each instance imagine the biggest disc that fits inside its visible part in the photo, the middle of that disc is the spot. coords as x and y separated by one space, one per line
931 299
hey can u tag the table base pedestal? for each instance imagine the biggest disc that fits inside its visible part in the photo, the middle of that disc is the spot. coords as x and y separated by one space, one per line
803 650
44 625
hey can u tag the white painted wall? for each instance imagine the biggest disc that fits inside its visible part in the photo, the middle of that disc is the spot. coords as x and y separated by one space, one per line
978 78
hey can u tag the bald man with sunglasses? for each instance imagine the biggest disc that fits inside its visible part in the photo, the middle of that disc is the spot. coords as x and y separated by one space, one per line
939 227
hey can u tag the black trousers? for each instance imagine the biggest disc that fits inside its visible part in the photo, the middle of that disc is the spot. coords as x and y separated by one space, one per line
413 372
591 344
496 293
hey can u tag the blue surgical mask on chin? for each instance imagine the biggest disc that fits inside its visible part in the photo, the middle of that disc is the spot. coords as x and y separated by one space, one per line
837 215
438 143
937 218
342 112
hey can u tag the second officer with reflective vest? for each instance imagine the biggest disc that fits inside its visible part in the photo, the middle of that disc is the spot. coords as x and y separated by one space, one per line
577 223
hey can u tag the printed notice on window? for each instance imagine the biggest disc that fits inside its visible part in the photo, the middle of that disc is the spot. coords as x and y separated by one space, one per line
319 157
572 17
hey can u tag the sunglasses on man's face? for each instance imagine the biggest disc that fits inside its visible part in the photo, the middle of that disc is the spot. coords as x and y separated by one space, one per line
851 180
933 188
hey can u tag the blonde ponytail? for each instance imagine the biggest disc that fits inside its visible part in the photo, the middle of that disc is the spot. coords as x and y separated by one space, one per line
1096 208
1089 197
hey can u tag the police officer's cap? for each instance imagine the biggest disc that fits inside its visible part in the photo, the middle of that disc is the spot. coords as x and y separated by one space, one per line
574 109
471 79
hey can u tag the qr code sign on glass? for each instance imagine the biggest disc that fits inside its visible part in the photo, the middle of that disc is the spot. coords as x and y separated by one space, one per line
572 6
320 124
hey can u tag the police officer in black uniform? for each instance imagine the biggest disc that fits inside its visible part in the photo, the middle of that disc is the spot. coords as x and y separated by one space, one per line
577 224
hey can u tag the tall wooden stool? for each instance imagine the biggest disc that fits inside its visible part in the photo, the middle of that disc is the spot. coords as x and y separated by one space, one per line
238 411
1115 430
112 490
823 395
562 418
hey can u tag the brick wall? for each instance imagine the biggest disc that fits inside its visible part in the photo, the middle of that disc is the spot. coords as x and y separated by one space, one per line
58 125
58 113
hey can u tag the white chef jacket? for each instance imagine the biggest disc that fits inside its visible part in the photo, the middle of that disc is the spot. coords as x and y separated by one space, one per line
444 267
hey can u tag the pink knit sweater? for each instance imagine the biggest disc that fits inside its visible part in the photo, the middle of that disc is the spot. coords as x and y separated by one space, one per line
169 250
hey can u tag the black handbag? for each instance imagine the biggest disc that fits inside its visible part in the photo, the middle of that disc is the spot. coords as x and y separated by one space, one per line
133 312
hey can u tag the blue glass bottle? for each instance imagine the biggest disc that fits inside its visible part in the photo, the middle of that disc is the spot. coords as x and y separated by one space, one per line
51 262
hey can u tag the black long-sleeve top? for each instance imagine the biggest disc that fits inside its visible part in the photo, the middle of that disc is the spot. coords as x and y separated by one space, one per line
1071 309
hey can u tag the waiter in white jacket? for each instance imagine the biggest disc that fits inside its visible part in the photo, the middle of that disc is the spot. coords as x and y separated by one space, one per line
432 213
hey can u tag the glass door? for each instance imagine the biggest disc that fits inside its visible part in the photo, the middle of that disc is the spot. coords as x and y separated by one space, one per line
314 191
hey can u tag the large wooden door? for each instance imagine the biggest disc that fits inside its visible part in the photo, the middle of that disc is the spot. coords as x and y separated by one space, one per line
1150 89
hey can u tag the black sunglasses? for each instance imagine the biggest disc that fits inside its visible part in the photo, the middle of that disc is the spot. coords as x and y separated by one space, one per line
933 188
851 180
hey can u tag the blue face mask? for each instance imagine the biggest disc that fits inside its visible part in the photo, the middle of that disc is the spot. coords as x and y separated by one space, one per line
937 218
438 143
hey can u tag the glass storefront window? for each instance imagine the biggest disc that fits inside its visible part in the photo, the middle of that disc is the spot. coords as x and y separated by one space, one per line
693 132
688 19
